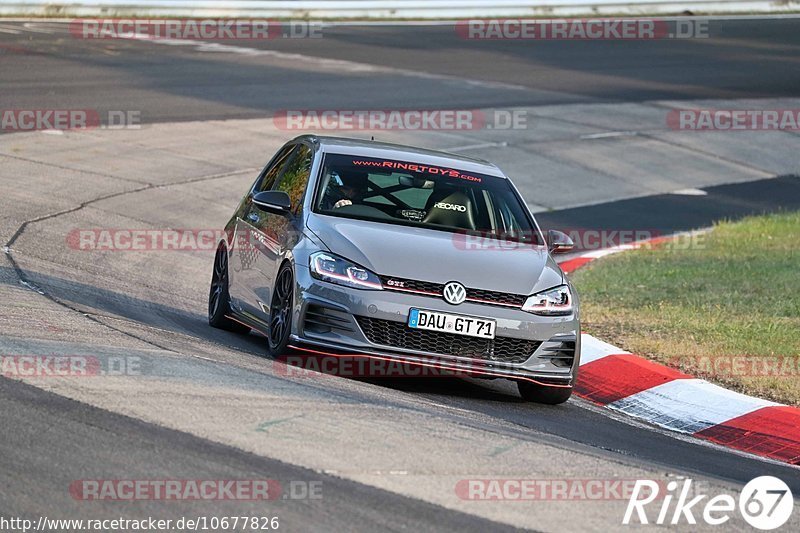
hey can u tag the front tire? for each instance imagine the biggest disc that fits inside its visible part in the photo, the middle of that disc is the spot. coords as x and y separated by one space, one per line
219 300
532 392
280 312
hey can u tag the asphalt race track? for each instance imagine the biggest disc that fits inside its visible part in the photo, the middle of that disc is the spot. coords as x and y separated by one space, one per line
205 404
182 84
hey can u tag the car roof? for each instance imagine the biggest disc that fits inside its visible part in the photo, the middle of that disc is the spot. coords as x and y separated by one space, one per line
377 149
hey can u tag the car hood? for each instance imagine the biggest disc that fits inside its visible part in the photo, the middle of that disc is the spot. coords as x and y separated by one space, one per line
438 256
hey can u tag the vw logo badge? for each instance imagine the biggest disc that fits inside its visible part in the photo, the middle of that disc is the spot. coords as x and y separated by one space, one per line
454 293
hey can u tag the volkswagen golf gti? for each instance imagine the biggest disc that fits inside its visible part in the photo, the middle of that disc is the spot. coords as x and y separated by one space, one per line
346 247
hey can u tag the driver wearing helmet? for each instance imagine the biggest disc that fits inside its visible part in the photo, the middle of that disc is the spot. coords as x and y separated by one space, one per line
344 188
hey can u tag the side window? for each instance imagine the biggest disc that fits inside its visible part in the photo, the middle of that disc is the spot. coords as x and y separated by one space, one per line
270 174
295 177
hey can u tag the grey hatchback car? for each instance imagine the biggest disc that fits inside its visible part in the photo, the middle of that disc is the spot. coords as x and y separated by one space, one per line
354 248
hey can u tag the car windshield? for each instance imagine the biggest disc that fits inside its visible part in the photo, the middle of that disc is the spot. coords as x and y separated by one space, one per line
413 194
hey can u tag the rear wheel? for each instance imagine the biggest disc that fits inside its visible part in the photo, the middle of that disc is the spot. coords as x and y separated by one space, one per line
280 312
219 298
532 392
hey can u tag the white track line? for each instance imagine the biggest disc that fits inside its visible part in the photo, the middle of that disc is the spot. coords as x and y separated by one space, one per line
337 65
9 29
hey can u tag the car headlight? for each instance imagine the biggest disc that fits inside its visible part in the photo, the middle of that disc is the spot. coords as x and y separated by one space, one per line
332 268
552 302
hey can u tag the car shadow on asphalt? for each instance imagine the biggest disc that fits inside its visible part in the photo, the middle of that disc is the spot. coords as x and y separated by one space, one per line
450 387
86 298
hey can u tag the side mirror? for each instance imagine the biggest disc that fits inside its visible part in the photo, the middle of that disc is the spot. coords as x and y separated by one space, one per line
277 202
559 242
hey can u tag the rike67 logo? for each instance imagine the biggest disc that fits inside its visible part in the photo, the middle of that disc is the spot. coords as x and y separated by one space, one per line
765 503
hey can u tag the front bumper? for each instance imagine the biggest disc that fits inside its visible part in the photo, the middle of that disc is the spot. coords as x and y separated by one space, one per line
329 320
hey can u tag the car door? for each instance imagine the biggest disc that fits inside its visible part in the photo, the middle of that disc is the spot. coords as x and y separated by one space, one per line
244 255
274 235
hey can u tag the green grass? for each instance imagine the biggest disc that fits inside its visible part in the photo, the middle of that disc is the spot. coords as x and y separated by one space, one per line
735 293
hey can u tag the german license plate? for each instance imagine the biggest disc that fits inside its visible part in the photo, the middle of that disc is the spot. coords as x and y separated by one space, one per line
447 323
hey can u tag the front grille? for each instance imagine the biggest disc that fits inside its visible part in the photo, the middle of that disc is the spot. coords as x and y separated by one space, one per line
412 285
493 297
473 295
398 335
